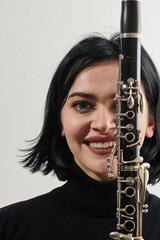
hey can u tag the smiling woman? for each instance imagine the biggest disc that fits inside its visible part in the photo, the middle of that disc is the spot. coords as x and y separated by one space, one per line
88 117
76 138
90 135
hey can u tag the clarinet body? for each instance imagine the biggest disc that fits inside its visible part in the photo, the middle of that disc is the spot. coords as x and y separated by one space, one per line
132 174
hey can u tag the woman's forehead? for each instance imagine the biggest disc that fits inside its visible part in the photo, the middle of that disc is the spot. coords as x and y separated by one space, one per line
96 76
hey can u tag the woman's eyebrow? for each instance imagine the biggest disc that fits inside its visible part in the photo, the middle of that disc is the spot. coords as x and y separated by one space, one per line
84 95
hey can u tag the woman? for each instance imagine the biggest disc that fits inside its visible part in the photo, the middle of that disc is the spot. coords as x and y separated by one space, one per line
76 138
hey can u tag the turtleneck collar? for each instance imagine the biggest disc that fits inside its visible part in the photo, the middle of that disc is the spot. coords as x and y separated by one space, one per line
90 196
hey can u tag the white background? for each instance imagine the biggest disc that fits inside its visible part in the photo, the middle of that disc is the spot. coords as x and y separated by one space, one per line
34 36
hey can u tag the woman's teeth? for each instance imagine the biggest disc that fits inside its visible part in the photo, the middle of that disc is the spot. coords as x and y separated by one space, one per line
101 144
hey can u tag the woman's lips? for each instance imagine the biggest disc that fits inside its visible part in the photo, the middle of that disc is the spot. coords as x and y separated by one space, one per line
100 150
100 145
109 138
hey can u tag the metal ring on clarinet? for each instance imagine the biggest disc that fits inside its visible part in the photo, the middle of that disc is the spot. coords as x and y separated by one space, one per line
129 191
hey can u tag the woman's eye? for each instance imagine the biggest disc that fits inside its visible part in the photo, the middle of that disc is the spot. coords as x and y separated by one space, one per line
82 107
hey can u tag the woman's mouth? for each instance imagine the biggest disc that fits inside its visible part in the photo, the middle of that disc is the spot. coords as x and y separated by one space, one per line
100 145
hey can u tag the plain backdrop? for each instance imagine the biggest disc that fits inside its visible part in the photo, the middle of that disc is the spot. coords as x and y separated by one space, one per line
34 36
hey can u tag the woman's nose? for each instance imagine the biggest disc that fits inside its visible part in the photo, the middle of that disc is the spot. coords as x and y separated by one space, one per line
103 121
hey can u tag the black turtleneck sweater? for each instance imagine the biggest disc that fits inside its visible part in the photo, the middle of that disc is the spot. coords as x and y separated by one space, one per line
82 209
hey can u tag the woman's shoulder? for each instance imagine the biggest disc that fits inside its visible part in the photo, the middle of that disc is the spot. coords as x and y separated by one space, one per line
153 202
151 220
152 199
29 215
27 208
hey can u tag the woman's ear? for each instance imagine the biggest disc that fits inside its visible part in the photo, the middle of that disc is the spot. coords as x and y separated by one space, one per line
151 127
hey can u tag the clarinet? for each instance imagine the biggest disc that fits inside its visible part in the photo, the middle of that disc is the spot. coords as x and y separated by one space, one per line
132 174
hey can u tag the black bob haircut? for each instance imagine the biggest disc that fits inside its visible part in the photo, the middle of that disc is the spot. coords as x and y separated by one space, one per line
49 151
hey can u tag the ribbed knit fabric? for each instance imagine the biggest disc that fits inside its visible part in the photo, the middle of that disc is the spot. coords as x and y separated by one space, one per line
82 209
90 196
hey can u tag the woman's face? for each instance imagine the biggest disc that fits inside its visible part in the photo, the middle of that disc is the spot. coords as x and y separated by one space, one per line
88 118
